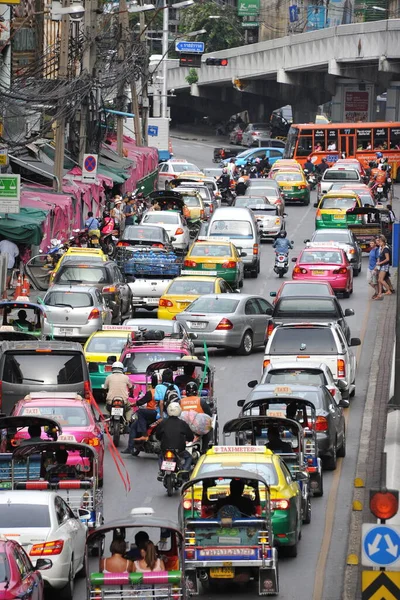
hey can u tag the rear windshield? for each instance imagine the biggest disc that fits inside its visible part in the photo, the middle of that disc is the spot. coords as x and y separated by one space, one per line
342 174
303 340
337 203
191 287
296 376
66 416
340 235
315 397
288 177
107 345
71 299
4 569
137 362
40 368
20 516
306 289
182 167
191 200
262 183
321 256
81 274
269 209
307 307
251 201
266 470
233 229
202 249
133 233
169 219
213 305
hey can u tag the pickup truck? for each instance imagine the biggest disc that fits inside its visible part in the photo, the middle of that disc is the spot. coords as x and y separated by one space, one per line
337 174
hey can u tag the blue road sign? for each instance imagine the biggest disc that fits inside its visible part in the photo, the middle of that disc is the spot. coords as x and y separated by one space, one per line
152 130
190 47
380 545
293 13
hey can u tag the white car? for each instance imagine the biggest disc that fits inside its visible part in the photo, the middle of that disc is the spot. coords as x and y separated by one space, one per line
173 223
174 168
45 526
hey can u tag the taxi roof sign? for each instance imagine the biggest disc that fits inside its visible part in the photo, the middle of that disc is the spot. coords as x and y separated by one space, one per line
119 328
239 449
282 389
211 238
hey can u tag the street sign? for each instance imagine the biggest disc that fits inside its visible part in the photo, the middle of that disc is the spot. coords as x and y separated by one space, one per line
248 8
89 167
10 193
380 545
293 13
3 157
190 47
379 585
152 130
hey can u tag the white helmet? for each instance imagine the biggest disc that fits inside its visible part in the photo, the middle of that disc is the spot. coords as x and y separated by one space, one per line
117 366
174 409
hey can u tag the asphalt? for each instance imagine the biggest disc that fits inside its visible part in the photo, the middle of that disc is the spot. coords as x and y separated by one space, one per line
318 571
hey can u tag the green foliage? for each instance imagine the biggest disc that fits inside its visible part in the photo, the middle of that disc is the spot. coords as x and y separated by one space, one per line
225 32
192 77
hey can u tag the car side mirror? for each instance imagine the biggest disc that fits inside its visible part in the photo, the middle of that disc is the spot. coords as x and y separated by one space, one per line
349 312
192 336
355 342
343 403
272 294
83 514
300 476
306 241
294 259
292 242
315 204
43 564
243 254
341 384
252 383
240 403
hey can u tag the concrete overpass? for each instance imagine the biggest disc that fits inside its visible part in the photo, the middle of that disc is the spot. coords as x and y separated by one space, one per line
300 69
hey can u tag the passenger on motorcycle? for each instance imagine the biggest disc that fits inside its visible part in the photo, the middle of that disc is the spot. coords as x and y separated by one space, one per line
118 385
166 392
224 179
231 168
199 405
173 433
309 166
323 166
281 244
145 416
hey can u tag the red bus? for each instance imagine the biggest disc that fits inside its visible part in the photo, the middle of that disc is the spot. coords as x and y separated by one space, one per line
355 140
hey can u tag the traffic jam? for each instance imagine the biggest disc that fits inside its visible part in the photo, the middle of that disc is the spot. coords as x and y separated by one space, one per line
115 358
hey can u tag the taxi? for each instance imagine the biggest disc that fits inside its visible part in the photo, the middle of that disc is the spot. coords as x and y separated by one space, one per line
173 169
182 291
194 203
99 346
285 492
329 265
293 184
77 253
291 163
332 209
216 257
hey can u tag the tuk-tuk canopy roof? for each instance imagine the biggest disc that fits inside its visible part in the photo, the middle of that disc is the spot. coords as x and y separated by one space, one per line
175 364
136 521
248 422
279 400
225 474
37 448
21 421
366 210
166 196
21 304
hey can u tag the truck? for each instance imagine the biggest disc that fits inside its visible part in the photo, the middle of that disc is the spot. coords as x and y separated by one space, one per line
158 135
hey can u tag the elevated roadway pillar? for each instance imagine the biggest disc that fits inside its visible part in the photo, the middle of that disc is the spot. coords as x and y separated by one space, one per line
393 102
354 101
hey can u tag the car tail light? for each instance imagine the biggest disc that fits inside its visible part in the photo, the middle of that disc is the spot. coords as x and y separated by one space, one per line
341 368
318 215
280 504
189 555
157 246
266 363
341 271
109 289
229 265
123 244
352 251
224 324
47 549
254 133
321 424
299 270
332 390
187 504
255 249
190 263
164 302
94 441
211 209
270 329
319 188
202 214
94 314
179 231
87 390
302 187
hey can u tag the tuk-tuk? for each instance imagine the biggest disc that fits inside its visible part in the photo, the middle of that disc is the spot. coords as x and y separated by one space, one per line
289 444
169 583
12 328
375 221
221 153
221 543
302 411
167 200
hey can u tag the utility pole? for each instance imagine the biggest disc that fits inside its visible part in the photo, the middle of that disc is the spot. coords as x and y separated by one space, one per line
165 45
145 81
60 124
88 63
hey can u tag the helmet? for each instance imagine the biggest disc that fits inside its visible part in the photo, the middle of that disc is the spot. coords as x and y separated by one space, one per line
174 409
191 388
379 155
117 366
241 180
282 234
224 171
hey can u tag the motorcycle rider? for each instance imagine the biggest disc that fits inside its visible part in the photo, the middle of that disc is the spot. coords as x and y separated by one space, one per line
145 416
282 244
192 401
323 166
173 433
231 168
309 166
241 187
118 385
265 165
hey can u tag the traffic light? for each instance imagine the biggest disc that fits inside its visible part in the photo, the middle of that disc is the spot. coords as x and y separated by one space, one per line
190 60
384 504
217 62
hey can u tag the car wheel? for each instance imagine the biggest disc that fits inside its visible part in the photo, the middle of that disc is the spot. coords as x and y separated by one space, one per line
320 491
254 273
356 272
331 461
307 516
67 593
342 450
346 294
246 345
353 392
258 267
240 284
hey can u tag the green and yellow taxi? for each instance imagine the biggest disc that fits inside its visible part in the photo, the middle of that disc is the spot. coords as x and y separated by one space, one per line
215 257
83 254
332 209
99 346
285 492
293 184
182 291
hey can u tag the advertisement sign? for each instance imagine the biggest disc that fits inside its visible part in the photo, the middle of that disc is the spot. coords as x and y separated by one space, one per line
316 17
356 106
248 8
10 186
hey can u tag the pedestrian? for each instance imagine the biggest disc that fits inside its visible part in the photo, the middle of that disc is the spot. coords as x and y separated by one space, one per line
129 212
117 213
382 265
12 251
372 274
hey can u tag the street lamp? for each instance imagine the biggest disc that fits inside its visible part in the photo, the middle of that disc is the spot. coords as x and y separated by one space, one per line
141 9
380 8
75 11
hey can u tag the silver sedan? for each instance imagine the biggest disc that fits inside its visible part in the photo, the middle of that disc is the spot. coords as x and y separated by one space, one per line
74 312
236 321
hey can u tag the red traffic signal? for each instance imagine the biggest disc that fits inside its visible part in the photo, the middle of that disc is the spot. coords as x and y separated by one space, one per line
384 504
217 62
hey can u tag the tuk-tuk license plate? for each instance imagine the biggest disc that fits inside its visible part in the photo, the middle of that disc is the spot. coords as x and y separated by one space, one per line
118 412
168 465
222 573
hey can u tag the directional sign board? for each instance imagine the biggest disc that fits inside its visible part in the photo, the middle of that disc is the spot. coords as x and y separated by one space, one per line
89 167
293 13
10 192
190 47
152 130
380 545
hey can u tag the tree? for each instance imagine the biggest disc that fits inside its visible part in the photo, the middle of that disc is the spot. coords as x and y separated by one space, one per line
223 32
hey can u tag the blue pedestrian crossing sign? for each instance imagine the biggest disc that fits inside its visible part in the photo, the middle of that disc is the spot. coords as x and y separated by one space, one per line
380 545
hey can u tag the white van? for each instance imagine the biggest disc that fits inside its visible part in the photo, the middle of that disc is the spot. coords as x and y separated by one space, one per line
240 226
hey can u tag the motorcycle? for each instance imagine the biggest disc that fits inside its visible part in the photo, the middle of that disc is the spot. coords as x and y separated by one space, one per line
149 444
117 423
172 478
227 195
312 179
281 266
79 238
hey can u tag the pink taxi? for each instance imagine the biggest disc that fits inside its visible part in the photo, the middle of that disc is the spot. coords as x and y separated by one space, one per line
329 265
72 412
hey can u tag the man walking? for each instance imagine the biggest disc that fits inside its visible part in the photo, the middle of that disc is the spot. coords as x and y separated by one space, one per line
372 276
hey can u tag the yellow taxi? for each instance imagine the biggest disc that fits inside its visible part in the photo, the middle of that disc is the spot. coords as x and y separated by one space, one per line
291 163
293 184
182 291
99 346
285 492
216 257
332 209
84 254
194 204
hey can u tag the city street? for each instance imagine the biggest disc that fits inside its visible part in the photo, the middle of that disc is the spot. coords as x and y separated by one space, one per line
317 572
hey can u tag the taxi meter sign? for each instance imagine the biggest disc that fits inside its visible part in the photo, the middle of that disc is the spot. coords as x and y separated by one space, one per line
89 167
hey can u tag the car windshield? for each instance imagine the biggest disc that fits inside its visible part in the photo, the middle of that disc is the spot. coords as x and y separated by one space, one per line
4 569
192 201
26 368
266 470
182 167
66 416
233 229
73 299
341 203
167 219
198 288
341 175
23 516
244 153
306 289
81 274
137 362
339 235
317 308
281 177
136 233
107 345
202 249
295 376
217 305
303 341
330 257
